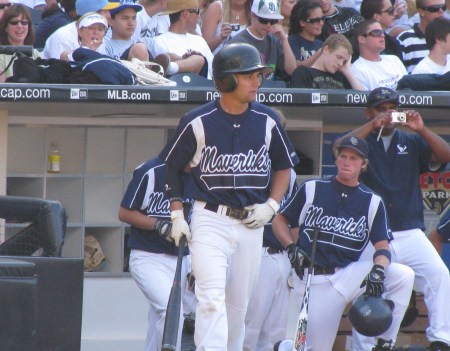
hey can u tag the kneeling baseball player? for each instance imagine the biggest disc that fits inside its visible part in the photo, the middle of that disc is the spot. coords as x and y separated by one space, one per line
349 216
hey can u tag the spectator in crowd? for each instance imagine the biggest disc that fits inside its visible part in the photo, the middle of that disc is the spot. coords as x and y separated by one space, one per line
149 22
153 258
372 69
396 159
441 234
223 20
383 12
266 35
91 31
52 18
123 25
66 38
331 70
16 29
306 25
4 4
412 41
286 11
438 42
338 19
267 310
188 52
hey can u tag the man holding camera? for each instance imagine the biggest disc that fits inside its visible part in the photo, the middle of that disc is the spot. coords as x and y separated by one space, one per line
396 159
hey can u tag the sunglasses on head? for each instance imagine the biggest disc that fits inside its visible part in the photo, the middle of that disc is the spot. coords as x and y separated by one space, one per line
315 20
196 11
390 10
16 22
3 6
267 20
435 8
376 33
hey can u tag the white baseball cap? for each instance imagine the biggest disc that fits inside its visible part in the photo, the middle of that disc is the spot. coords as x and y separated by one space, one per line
269 9
91 18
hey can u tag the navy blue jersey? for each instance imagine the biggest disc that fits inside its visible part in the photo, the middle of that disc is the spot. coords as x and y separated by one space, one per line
444 225
270 240
394 175
347 217
146 194
231 156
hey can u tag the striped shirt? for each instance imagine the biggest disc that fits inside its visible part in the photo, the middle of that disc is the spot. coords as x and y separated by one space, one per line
414 47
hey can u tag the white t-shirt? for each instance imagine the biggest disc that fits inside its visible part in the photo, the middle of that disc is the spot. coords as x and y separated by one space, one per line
64 39
429 66
149 27
30 3
115 47
384 73
180 44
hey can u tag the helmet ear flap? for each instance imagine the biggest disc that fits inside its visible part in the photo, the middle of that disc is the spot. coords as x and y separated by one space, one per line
226 84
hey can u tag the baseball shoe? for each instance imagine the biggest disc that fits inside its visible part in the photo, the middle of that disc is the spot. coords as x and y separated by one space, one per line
438 346
283 345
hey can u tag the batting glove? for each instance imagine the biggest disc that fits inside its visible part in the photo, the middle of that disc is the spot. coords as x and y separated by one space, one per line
179 227
261 214
374 281
163 227
299 259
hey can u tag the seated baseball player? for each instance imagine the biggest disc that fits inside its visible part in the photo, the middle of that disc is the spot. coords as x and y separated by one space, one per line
349 217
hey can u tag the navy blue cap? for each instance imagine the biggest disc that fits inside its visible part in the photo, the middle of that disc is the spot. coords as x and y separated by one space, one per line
357 144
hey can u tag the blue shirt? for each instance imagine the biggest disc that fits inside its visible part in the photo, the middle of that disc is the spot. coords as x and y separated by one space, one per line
302 48
231 156
146 194
394 175
347 217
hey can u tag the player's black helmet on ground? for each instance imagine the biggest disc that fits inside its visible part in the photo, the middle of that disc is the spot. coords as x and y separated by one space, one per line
235 58
371 316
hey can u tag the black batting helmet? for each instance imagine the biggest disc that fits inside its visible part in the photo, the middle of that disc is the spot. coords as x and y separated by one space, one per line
235 58
370 315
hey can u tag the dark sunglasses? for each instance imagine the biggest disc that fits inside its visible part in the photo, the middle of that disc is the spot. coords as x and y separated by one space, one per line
16 22
435 8
2 6
196 11
315 20
376 33
390 11
266 20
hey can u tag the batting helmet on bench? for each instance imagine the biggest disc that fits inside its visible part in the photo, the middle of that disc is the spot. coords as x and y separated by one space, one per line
371 316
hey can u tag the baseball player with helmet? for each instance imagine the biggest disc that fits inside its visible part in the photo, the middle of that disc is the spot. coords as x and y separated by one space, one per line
441 234
396 159
153 257
240 159
349 217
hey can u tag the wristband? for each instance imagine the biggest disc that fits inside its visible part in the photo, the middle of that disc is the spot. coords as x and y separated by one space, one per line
273 204
382 252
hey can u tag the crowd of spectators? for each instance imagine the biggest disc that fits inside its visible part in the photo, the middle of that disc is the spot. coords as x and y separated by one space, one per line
388 39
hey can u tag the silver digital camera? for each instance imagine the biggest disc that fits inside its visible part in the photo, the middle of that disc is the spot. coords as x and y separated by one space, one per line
398 117
235 27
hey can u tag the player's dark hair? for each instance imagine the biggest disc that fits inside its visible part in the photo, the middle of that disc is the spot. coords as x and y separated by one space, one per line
437 29
362 28
370 7
301 12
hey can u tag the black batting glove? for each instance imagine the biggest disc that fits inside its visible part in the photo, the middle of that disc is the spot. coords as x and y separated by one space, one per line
298 259
374 281
163 227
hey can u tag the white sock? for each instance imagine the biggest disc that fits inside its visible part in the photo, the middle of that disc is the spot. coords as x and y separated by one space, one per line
172 68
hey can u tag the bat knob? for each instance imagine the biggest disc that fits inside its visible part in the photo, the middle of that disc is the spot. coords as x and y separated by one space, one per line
283 345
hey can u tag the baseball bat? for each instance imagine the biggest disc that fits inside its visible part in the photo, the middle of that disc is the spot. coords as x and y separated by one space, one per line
302 322
172 321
